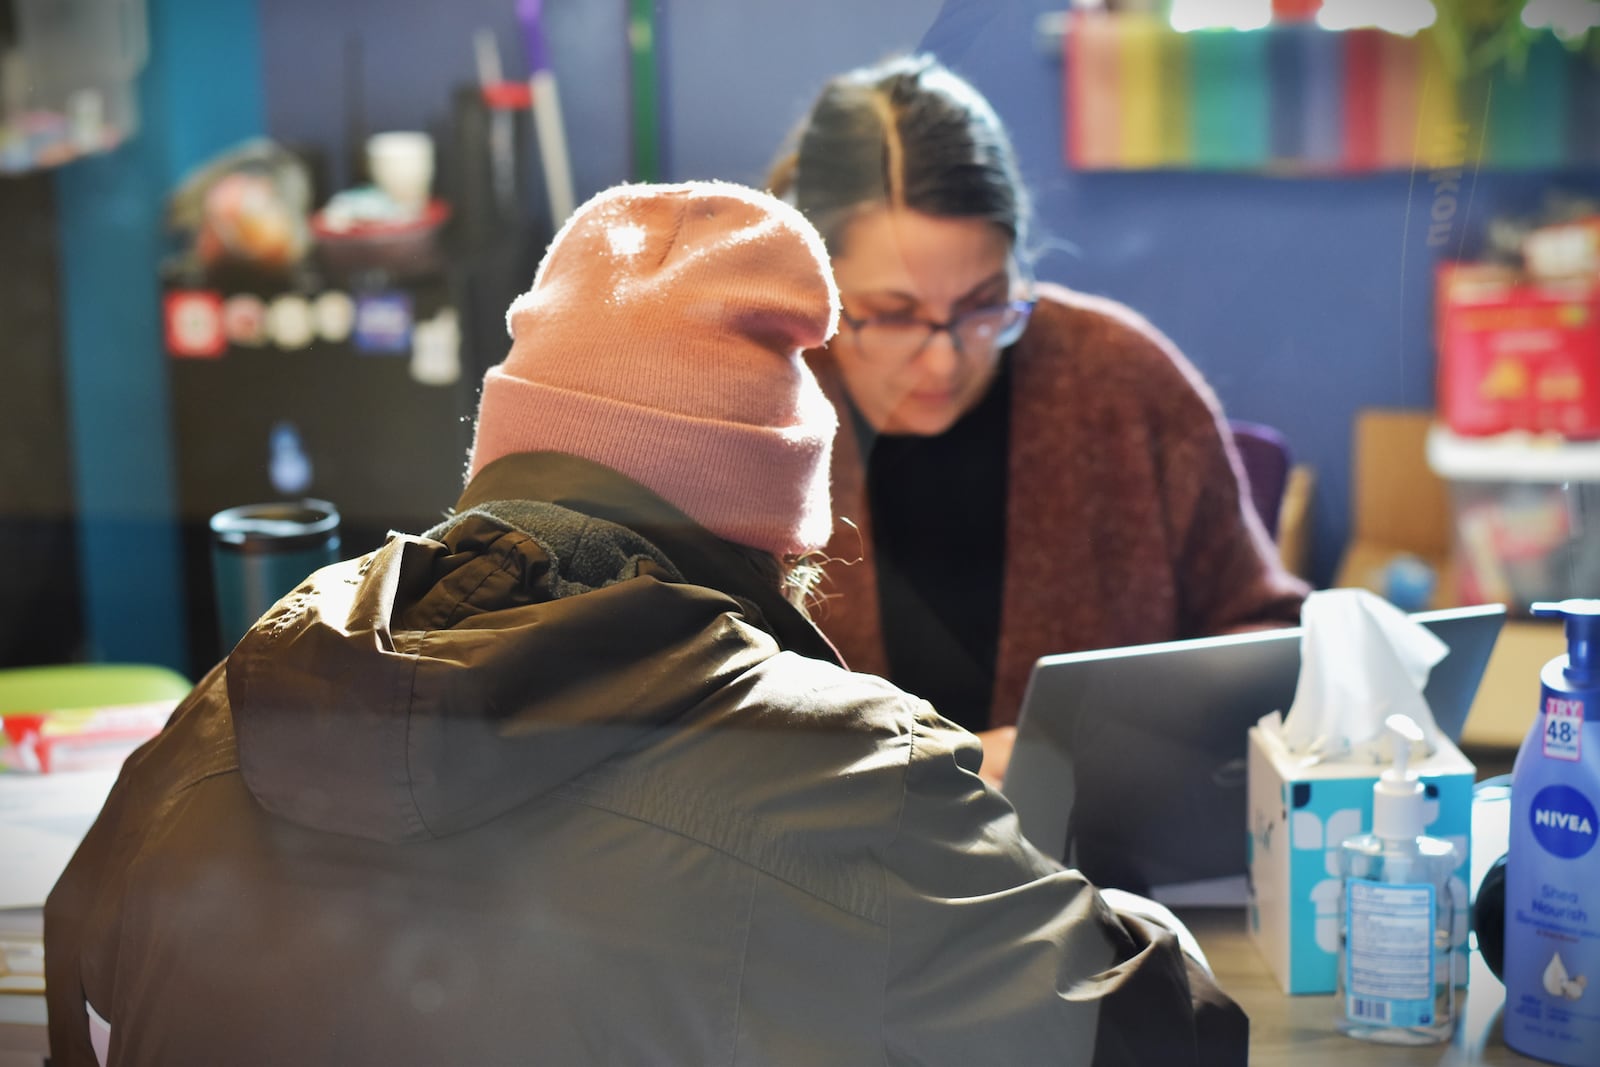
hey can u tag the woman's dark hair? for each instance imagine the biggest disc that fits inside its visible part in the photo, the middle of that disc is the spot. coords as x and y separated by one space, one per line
904 133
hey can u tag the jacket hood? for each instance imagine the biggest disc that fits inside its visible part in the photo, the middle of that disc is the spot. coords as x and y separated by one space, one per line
443 680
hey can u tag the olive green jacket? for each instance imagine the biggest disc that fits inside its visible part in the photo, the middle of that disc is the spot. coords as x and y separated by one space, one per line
549 787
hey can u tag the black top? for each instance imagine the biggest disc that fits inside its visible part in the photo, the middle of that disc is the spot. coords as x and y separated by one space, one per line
939 519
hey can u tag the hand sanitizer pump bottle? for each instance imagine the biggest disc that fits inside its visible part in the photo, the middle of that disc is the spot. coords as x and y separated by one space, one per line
1397 981
1552 938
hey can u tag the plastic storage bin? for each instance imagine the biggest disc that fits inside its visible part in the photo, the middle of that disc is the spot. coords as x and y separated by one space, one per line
1526 516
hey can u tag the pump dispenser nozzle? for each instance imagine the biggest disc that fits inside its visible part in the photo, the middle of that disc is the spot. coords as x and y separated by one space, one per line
1397 796
1583 637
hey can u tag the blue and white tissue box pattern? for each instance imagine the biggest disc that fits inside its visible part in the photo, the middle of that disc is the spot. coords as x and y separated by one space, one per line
1297 818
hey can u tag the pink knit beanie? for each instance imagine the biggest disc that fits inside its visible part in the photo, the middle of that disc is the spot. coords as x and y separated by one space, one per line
662 338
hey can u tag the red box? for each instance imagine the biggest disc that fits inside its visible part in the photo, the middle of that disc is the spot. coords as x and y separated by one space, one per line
1516 354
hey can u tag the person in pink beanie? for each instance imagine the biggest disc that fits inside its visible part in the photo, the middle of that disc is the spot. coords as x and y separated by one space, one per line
569 779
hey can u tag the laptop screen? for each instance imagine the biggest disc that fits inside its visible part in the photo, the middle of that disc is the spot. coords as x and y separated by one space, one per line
1130 762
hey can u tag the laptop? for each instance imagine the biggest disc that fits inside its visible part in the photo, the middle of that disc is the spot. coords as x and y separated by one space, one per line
1129 763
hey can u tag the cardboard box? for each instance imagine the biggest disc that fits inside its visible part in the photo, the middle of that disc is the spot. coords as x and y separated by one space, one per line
1399 506
1507 700
1298 818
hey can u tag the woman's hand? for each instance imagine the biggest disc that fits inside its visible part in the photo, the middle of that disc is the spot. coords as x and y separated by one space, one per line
996 753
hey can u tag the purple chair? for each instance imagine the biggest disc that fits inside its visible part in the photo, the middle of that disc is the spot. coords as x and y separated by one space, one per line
1267 461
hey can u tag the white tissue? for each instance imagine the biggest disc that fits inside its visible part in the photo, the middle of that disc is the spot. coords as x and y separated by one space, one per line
1361 660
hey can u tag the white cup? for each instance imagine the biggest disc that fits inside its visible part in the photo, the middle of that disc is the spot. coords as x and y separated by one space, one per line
401 164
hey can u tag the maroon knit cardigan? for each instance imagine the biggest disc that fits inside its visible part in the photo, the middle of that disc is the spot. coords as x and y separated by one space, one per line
1125 520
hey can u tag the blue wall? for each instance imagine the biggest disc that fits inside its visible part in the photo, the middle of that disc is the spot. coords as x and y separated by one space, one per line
413 56
739 75
734 75
1300 300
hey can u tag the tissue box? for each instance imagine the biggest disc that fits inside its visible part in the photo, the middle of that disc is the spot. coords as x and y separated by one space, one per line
1298 818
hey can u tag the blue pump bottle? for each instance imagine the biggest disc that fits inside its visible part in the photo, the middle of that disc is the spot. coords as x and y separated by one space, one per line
1552 909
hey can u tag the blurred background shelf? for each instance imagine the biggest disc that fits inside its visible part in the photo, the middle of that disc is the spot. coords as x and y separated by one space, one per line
1292 98
67 70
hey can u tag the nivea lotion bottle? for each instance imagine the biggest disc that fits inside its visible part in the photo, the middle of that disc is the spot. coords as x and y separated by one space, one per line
1397 981
1552 950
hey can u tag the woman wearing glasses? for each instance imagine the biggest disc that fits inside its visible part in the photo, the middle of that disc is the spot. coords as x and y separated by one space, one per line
1020 469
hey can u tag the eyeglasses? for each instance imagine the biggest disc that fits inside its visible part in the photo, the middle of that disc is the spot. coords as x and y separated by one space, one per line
900 338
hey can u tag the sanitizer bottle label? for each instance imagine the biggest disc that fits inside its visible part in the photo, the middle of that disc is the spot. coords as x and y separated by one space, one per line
1389 964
